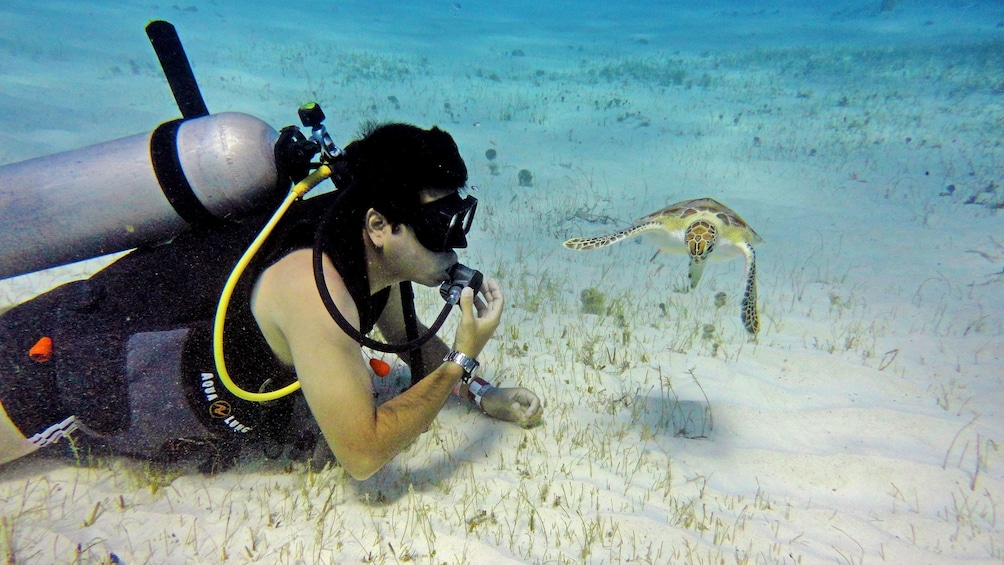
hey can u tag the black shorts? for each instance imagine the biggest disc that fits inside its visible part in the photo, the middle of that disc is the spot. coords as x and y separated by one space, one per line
126 392
146 394
132 359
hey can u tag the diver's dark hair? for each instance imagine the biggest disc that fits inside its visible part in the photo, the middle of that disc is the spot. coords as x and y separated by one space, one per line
390 163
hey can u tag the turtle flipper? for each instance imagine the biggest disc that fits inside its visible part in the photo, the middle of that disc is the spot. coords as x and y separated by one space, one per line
700 238
697 265
748 310
588 243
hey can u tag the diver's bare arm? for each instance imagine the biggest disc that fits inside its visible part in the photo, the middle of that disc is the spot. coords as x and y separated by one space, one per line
334 378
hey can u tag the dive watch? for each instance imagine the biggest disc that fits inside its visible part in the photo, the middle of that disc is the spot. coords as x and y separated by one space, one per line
468 364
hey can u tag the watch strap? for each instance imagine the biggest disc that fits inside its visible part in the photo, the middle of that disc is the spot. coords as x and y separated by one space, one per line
468 364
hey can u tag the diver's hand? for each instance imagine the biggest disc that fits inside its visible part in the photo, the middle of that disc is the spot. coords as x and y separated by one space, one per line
479 319
515 404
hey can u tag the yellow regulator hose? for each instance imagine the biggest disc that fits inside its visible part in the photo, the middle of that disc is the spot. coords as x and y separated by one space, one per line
298 190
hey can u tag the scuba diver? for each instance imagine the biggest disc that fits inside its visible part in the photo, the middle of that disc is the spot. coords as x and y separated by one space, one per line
124 361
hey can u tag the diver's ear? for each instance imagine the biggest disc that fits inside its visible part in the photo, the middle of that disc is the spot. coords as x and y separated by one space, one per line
377 227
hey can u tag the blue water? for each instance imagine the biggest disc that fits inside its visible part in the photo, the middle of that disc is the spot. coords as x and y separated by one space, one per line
75 63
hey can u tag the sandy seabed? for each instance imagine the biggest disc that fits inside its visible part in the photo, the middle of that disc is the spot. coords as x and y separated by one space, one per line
863 425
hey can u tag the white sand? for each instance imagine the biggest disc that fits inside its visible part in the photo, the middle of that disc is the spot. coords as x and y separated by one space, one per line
864 425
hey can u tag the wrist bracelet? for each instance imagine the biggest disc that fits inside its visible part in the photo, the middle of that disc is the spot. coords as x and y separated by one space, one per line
476 390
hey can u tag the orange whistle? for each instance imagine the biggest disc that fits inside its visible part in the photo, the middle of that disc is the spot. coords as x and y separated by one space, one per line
42 350
381 368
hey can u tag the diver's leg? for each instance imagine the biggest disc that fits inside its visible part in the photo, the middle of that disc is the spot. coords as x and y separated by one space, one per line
32 414
13 444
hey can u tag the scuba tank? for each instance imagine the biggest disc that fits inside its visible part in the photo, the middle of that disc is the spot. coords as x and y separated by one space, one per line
136 190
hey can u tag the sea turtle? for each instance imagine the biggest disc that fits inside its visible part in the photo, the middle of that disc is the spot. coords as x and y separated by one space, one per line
698 228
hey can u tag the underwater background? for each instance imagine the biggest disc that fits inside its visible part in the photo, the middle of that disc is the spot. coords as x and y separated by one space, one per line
863 140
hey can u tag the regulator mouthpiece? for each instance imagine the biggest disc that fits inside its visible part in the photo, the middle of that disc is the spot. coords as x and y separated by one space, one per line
460 276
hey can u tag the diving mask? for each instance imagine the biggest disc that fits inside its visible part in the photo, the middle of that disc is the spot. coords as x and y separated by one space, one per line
442 225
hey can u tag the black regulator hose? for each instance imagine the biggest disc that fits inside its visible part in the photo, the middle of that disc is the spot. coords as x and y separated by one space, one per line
320 237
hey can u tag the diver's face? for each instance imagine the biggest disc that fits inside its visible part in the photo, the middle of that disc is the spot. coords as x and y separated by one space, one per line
419 263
